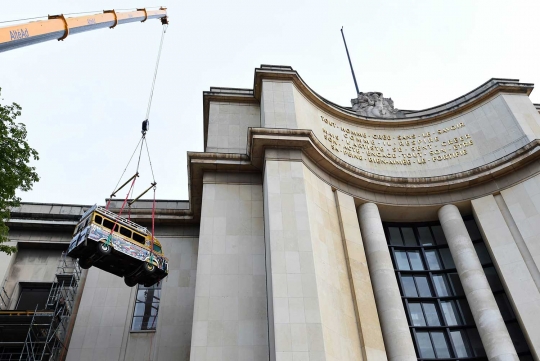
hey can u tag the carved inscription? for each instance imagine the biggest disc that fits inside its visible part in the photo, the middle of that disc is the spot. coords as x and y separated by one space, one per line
402 149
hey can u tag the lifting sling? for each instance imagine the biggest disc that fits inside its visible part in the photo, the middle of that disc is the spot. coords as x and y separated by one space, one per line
142 143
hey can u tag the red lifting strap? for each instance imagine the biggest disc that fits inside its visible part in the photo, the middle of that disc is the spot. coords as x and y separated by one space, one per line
153 216
123 205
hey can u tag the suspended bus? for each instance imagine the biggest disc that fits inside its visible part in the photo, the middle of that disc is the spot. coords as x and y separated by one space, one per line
119 246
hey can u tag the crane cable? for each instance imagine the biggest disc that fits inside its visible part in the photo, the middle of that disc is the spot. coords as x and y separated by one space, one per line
155 72
142 142
165 26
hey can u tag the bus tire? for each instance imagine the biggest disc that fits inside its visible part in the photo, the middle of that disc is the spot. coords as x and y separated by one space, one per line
130 281
149 268
104 248
85 263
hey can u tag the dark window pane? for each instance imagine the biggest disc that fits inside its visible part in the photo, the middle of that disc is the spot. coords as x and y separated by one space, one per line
504 307
465 311
459 338
98 219
441 286
426 239
138 238
439 235
417 317
401 260
447 258
33 296
450 313
108 224
476 343
493 279
416 260
409 287
473 230
424 345
432 316
408 236
517 337
395 236
423 286
125 232
441 346
482 253
433 260
525 358
455 283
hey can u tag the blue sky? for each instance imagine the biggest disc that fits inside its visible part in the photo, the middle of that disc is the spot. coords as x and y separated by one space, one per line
84 98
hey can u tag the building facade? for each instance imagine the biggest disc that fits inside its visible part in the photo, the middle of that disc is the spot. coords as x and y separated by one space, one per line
320 232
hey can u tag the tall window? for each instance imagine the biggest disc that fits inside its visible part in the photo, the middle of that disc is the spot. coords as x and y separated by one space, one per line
441 322
146 308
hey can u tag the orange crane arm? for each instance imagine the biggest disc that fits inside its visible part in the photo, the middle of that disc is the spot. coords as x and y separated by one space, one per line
59 27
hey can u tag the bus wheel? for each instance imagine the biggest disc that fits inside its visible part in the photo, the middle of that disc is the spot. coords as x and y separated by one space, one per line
149 267
104 248
130 281
85 263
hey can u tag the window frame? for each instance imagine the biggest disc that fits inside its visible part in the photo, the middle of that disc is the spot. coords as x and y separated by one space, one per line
435 299
136 301
466 324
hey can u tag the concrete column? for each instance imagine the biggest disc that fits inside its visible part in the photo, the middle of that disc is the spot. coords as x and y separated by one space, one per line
397 337
487 316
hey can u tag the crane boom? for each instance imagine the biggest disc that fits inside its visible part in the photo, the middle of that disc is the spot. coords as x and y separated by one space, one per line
59 27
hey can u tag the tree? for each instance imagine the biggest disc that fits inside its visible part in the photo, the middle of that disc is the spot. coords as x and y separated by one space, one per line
15 173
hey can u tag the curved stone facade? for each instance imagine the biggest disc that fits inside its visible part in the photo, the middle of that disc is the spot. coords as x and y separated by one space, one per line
321 269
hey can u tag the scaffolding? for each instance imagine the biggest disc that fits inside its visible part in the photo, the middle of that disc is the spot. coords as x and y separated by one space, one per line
39 335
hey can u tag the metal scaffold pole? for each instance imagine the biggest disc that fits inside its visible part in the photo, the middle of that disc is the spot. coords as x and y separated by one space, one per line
47 324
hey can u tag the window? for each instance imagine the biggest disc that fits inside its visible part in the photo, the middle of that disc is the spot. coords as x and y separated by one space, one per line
157 248
33 295
438 313
146 308
439 316
98 219
108 224
125 232
138 238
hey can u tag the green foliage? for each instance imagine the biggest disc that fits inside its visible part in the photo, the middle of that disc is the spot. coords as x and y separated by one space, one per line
15 153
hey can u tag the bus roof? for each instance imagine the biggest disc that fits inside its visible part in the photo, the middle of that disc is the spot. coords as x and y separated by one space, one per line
121 220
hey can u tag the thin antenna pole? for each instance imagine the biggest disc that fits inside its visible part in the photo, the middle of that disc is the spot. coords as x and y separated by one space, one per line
350 63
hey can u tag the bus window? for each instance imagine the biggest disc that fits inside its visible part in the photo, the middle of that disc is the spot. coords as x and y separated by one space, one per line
157 248
98 219
125 232
108 224
138 238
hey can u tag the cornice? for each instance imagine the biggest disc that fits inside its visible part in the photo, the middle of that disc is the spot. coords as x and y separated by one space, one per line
261 139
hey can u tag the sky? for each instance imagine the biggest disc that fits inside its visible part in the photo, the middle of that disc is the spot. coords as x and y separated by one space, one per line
83 99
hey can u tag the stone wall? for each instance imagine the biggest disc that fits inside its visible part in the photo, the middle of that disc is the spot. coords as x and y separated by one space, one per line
228 124
230 319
